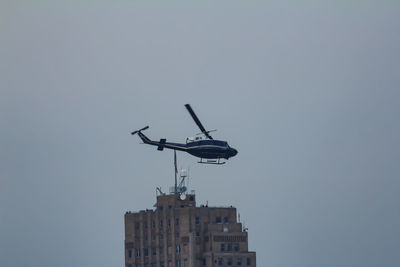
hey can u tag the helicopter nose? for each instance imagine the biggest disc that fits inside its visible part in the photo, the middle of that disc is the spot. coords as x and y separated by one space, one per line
233 152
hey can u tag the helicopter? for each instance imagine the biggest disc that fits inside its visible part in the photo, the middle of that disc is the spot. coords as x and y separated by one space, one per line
204 148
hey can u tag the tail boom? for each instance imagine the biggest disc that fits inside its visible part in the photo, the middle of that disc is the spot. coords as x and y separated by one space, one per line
160 145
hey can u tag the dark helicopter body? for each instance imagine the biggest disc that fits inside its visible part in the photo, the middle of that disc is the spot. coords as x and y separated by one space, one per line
210 149
206 149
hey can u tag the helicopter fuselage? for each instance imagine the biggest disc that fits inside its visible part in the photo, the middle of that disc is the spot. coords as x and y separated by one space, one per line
206 149
210 149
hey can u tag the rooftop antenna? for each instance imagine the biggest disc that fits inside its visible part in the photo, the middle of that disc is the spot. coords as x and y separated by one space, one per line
180 186
176 173
244 227
183 175
159 192
188 174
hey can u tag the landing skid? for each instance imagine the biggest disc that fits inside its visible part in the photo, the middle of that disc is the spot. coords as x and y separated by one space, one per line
212 161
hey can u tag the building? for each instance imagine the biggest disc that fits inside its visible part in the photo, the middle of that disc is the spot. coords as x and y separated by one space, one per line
179 234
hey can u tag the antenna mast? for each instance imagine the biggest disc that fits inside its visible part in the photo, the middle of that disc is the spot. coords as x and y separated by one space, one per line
180 187
176 173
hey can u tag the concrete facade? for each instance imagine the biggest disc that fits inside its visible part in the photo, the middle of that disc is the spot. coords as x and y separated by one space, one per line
179 234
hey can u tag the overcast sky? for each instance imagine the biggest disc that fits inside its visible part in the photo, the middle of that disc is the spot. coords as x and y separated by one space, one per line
307 91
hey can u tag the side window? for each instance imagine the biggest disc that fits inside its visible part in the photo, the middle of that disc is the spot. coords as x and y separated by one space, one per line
248 261
130 253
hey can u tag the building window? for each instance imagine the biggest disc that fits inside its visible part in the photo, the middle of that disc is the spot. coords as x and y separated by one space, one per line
229 246
137 252
145 225
162 264
222 247
220 261
226 219
239 262
161 224
248 261
130 253
177 221
137 225
197 220
204 262
178 263
218 219
229 261
178 249
153 224
138 265
154 251
161 250
169 223
236 247
177 234
197 233
153 265
146 252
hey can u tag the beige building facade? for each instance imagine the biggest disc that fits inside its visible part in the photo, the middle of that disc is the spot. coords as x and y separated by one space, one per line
179 234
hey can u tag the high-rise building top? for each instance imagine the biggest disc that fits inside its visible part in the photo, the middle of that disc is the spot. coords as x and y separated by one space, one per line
177 233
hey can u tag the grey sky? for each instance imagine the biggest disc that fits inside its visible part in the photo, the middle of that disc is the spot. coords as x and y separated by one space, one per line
307 92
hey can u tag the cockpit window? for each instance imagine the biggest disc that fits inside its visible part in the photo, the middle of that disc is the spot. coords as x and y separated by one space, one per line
221 143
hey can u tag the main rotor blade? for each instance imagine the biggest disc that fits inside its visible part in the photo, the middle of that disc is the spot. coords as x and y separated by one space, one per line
197 121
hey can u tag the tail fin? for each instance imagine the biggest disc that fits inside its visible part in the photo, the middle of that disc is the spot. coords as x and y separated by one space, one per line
144 138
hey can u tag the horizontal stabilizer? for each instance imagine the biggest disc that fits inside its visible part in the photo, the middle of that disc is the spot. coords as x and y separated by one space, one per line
145 128
161 144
